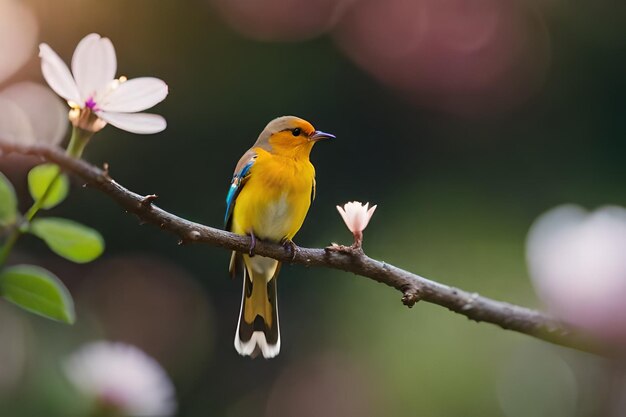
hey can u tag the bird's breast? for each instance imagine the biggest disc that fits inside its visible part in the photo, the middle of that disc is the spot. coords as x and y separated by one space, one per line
275 216
274 201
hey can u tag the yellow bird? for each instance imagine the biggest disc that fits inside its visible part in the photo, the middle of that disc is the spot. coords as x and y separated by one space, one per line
269 197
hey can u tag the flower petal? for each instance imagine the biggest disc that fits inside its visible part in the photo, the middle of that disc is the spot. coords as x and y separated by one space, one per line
57 74
142 123
356 215
369 215
135 95
93 65
346 217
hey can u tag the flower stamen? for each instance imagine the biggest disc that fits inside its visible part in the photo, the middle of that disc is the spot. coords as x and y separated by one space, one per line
90 103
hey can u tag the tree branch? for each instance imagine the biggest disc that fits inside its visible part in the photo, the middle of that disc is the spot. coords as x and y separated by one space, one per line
412 286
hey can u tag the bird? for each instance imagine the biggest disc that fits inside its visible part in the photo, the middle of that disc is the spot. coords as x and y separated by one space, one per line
269 196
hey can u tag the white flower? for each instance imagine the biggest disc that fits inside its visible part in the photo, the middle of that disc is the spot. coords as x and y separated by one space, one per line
577 261
123 378
93 89
356 216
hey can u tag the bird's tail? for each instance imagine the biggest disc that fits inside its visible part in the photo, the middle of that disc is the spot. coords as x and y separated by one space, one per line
258 329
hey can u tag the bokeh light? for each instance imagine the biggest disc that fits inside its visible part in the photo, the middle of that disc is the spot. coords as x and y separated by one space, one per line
46 114
539 372
15 125
14 339
139 292
577 263
18 34
467 57
286 20
119 379
334 386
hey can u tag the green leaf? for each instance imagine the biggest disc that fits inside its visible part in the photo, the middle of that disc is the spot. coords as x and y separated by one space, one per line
8 202
69 239
39 180
37 290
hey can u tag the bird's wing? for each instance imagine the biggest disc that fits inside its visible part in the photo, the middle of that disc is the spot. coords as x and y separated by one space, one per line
313 189
242 171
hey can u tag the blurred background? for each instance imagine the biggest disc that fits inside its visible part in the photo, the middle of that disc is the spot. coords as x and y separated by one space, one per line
463 120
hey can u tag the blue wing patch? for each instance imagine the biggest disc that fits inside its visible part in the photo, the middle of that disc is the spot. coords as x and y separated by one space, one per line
235 186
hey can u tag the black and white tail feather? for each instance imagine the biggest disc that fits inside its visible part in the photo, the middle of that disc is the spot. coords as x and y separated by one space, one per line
258 329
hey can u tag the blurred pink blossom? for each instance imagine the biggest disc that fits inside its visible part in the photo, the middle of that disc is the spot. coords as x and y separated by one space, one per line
15 127
455 55
286 20
577 261
42 116
122 378
18 34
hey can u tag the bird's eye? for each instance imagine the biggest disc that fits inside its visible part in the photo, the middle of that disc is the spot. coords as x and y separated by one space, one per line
296 131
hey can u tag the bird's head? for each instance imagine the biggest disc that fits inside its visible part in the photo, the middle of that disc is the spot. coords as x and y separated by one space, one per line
290 136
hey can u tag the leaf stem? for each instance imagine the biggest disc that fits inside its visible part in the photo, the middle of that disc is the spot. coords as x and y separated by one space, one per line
38 204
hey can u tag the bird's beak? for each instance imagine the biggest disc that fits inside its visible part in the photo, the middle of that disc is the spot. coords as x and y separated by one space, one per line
319 135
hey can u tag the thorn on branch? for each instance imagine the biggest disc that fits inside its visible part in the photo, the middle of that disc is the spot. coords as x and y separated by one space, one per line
147 200
410 297
190 237
193 235
348 250
105 171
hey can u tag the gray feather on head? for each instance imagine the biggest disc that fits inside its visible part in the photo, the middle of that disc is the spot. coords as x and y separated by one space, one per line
277 125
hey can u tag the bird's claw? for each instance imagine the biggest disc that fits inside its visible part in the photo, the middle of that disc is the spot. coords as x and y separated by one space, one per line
252 244
291 248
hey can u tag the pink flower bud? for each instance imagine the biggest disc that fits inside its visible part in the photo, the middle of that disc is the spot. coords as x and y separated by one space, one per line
356 216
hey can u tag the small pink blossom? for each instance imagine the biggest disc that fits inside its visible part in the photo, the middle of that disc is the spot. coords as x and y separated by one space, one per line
356 216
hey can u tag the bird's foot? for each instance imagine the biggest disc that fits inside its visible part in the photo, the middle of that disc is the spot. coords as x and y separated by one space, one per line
290 247
252 244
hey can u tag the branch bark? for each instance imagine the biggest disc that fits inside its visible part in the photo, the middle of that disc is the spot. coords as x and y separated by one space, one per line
412 286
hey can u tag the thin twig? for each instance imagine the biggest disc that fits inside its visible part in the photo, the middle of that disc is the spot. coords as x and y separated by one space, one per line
412 286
